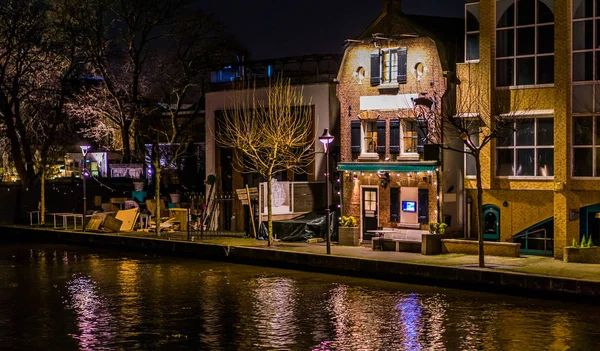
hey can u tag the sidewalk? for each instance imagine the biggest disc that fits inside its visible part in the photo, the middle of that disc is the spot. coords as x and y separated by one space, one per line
526 265
531 265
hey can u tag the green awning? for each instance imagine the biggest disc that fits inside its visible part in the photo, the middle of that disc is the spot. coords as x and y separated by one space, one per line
388 166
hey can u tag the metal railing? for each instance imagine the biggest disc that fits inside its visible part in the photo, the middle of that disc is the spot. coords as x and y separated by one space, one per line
527 236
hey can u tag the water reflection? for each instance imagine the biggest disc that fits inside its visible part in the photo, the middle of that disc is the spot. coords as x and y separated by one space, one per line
275 318
87 299
93 319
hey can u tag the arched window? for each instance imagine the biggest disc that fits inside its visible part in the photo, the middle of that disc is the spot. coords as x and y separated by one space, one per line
524 42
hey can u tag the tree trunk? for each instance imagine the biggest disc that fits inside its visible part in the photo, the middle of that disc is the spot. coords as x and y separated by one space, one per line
479 212
270 208
125 140
157 195
42 207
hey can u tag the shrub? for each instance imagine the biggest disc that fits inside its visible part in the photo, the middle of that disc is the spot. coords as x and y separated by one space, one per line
349 221
575 243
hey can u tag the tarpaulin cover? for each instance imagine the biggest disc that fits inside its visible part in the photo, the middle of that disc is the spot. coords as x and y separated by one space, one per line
311 225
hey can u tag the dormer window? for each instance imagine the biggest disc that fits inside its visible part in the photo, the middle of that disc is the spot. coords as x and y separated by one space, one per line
388 66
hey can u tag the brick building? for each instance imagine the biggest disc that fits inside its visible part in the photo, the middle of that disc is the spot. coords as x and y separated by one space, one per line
391 178
541 181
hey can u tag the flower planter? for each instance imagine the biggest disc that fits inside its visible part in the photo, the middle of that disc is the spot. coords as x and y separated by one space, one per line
349 236
582 254
431 244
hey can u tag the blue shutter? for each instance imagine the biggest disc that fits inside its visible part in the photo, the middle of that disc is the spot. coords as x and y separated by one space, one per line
355 136
375 69
395 136
402 66
381 137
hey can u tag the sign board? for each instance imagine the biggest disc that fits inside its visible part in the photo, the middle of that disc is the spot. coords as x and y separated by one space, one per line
245 195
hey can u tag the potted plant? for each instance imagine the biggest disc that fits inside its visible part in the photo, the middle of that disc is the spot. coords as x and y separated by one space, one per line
432 243
584 252
349 232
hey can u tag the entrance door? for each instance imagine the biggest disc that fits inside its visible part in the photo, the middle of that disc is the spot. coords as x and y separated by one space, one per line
369 212
491 223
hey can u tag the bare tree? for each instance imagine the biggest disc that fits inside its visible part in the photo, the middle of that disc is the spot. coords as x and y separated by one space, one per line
466 120
269 136
127 42
36 66
38 58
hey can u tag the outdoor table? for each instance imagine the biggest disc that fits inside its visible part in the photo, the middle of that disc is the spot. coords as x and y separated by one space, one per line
65 217
31 217
79 215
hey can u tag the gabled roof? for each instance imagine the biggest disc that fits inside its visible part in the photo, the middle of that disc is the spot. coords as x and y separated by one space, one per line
446 32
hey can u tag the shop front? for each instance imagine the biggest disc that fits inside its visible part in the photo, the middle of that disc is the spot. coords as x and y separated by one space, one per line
390 195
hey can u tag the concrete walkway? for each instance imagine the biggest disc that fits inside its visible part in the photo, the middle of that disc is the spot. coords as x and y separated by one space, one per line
529 265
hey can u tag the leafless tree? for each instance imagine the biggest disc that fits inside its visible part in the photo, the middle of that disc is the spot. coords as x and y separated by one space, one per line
270 135
128 55
465 119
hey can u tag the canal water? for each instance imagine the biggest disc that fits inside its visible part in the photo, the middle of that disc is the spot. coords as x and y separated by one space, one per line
55 297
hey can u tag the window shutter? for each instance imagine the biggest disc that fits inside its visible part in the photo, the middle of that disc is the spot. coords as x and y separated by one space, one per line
402 66
375 69
395 136
381 137
355 136
394 204
423 206
422 132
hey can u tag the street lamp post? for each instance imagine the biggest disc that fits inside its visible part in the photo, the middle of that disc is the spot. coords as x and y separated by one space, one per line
84 151
326 139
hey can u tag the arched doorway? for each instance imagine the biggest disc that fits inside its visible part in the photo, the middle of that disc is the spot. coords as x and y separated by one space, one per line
491 223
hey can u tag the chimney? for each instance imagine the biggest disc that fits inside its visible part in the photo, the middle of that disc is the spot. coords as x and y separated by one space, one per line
391 6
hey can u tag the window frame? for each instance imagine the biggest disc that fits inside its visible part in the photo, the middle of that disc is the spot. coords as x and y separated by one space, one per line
403 130
514 147
472 32
363 137
515 57
595 49
466 154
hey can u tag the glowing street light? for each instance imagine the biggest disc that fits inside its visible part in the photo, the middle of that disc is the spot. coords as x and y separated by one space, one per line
326 139
84 151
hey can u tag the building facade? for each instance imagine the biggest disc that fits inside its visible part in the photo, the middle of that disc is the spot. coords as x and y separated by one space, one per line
312 75
540 179
390 176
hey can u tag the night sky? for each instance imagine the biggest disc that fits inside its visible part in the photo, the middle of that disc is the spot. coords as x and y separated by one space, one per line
272 28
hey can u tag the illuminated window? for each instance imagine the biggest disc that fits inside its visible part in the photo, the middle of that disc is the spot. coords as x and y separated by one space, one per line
410 136
369 137
388 66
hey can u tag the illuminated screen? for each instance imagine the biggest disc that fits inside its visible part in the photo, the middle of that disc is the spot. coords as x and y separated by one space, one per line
409 206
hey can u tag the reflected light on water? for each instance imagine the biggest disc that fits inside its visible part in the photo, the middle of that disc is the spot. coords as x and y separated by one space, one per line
93 319
274 311
410 315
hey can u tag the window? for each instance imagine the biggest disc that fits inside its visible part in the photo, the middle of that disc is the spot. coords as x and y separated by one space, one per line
470 167
524 42
586 142
388 66
528 150
410 136
586 40
472 32
369 137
